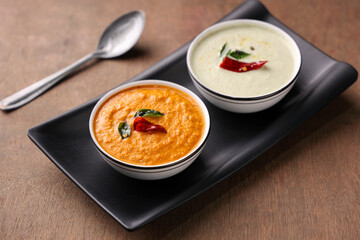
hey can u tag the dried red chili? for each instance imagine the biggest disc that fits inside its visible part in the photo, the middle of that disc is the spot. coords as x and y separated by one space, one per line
238 66
142 125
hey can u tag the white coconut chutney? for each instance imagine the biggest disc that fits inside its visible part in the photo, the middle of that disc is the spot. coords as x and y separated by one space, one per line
262 43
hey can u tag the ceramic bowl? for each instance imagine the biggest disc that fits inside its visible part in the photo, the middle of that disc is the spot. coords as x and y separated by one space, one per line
158 171
244 104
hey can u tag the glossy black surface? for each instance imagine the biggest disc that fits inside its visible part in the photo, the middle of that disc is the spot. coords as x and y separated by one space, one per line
66 139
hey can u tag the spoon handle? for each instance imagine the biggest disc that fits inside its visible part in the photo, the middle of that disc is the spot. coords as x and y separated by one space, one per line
29 93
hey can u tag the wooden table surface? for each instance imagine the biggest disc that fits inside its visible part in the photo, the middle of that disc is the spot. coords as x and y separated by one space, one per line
305 187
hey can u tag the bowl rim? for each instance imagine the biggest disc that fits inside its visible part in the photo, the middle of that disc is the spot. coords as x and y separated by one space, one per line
124 86
225 24
154 170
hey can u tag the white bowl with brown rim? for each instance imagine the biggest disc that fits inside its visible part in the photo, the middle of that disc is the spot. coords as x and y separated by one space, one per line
244 91
158 171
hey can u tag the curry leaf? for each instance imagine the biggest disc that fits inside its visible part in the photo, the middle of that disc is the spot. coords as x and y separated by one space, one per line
124 130
148 112
238 54
223 48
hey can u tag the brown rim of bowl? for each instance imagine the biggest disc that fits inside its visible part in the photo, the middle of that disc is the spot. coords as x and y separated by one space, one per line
155 167
265 97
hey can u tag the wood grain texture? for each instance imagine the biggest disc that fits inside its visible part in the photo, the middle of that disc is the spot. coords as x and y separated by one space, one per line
305 187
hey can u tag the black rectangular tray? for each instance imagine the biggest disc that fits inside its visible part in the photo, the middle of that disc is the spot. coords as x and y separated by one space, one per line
234 141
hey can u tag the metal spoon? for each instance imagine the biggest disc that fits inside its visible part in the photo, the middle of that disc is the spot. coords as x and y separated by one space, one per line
116 40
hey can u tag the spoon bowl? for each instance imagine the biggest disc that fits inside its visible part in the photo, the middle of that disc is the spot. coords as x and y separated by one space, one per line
121 35
118 38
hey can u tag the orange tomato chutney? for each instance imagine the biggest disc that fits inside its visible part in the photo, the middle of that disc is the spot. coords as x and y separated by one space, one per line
183 120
